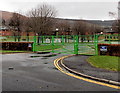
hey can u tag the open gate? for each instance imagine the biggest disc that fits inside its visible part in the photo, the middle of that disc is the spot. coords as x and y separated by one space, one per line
67 44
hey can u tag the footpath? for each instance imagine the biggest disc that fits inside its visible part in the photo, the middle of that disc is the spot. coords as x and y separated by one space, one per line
79 64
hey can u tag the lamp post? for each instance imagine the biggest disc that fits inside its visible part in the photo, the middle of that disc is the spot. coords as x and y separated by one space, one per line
57 31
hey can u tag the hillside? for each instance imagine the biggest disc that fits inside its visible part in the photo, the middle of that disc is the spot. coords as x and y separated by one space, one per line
7 15
102 23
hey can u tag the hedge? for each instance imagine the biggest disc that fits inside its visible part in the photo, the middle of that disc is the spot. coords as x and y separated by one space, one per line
17 45
112 49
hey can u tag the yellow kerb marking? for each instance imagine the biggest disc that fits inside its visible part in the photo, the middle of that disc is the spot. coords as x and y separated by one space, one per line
78 77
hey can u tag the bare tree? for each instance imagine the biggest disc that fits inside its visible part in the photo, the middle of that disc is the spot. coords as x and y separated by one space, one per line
3 22
27 28
80 28
64 27
16 24
116 26
42 19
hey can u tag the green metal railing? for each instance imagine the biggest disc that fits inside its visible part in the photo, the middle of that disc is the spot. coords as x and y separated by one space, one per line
69 44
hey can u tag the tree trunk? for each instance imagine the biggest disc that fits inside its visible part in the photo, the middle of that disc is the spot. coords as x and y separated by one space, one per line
38 40
82 38
27 36
15 37
88 38
19 35
42 39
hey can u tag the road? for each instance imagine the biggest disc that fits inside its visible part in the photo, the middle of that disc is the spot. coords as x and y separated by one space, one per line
20 72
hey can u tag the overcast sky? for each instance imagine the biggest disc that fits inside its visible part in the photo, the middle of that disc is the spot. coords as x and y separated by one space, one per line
74 9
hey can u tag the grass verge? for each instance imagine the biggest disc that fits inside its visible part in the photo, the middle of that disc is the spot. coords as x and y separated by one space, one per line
47 47
38 48
11 51
106 62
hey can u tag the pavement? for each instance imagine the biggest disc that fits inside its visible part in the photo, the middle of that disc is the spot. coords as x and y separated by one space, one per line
36 72
79 64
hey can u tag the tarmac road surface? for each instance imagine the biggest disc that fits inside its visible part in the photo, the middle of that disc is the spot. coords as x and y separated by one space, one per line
78 63
20 72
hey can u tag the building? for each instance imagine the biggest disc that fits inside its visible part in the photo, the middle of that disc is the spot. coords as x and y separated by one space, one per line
4 31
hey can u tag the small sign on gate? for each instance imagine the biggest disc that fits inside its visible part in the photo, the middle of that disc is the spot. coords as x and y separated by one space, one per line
29 45
103 48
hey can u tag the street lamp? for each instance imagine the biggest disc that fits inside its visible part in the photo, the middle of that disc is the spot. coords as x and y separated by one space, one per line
101 33
57 31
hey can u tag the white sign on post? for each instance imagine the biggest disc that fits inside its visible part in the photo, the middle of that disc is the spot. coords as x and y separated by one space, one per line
103 48
29 45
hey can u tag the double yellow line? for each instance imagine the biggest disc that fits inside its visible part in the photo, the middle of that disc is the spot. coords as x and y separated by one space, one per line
78 77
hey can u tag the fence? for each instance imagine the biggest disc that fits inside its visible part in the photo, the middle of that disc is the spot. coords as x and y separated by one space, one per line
68 44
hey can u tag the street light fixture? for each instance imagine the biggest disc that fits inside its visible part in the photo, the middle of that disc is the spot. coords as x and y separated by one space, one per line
57 31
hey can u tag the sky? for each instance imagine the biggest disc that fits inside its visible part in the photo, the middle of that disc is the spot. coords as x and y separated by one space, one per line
70 9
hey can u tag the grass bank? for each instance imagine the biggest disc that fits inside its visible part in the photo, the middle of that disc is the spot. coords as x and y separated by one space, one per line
11 51
47 47
106 62
37 48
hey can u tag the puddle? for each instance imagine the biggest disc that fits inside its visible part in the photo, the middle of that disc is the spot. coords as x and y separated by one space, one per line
45 63
55 68
50 55
34 56
44 57
43 52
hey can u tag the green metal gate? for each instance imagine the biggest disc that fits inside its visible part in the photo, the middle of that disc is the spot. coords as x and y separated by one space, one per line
88 44
67 44
72 44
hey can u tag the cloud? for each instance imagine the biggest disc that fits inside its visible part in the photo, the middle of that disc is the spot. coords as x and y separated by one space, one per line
67 9
60 0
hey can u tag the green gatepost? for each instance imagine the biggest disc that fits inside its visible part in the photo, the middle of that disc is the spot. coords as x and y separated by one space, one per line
96 44
34 44
62 40
52 44
109 39
76 45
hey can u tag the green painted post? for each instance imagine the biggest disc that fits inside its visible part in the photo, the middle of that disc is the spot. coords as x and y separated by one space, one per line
62 40
43 39
53 44
96 44
76 45
109 39
94 40
34 44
